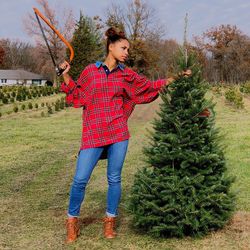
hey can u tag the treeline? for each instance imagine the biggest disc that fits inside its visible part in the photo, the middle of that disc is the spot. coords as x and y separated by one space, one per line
223 51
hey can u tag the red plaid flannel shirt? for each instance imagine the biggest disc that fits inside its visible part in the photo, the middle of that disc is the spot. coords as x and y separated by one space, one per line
108 101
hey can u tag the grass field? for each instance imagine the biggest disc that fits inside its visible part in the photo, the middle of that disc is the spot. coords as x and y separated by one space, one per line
38 156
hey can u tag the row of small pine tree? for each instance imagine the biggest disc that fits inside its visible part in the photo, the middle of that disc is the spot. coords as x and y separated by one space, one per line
11 95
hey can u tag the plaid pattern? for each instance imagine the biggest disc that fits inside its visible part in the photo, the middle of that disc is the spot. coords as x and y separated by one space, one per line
107 100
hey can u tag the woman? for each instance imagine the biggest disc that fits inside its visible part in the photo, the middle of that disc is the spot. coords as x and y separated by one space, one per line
108 92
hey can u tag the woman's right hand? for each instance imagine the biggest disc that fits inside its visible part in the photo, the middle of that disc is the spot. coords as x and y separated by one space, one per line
66 66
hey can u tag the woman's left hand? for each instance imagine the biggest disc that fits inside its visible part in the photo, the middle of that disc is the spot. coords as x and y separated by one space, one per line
186 73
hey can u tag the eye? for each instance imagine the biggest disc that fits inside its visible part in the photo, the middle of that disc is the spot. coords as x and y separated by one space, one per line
125 48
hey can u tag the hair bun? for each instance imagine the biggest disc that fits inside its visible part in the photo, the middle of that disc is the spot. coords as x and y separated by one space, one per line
114 33
111 32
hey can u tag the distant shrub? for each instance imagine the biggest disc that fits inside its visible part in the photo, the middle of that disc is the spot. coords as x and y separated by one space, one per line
23 97
23 106
245 88
15 109
50 111
5 100
36 106
57 106
235 97
42 104
62 104
42 114
34 94
12 100
56 90
19 97
30 106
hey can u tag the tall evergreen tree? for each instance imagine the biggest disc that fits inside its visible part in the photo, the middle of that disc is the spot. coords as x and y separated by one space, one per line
87 45
184 188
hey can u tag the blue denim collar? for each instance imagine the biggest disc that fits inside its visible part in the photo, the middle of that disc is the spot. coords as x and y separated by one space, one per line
98 64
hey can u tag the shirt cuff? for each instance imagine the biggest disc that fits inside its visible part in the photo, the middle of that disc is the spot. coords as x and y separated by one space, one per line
68 87
71 84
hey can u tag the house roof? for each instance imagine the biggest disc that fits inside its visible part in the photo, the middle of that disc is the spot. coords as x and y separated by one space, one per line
10 74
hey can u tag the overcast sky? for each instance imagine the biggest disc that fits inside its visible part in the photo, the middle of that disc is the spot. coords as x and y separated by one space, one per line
202 14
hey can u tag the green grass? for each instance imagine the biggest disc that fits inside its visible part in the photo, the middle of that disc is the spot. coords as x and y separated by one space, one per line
38 157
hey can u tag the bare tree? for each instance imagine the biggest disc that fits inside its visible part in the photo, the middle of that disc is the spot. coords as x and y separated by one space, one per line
2 55
65 26
17 55
138 19
144 31
227 52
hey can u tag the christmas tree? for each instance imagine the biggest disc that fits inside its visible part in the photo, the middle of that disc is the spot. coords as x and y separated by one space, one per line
87 44
184 188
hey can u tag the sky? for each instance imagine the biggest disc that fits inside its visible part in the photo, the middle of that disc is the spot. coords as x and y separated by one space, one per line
202 15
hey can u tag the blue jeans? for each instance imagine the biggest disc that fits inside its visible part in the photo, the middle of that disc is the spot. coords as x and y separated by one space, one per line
87 160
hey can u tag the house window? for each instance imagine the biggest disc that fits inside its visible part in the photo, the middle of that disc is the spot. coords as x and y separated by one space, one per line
3 80
20 82
38 82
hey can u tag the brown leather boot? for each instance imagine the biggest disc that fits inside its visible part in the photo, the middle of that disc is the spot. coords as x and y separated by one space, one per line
73 229
109 225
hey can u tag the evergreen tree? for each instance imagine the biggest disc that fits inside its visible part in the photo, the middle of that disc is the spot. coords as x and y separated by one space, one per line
184 188
87 45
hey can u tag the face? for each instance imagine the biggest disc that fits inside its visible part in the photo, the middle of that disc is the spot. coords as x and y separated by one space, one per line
119 50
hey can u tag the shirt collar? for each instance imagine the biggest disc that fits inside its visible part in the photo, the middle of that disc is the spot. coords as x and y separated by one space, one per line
98 64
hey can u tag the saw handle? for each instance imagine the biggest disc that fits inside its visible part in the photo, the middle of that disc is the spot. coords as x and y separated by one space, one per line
62 67
59 71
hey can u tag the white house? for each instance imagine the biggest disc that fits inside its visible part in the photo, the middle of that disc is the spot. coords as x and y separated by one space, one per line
20 77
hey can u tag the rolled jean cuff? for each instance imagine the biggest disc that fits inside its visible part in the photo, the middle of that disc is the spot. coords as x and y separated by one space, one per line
69 215
110 215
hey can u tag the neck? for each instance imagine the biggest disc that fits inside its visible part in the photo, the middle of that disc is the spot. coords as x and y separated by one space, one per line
111 62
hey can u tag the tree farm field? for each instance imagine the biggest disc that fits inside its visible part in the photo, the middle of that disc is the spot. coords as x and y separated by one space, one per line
38 157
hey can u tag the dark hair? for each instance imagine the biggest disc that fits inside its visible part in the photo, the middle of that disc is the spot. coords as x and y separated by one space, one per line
113 35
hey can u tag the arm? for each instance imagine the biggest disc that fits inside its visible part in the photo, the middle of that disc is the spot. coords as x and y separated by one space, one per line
75 94
142 90
145 91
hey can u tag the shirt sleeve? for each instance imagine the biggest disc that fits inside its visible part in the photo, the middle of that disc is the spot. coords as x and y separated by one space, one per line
75 94
142 89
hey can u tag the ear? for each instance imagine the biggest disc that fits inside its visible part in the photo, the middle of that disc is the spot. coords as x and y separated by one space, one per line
111 46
